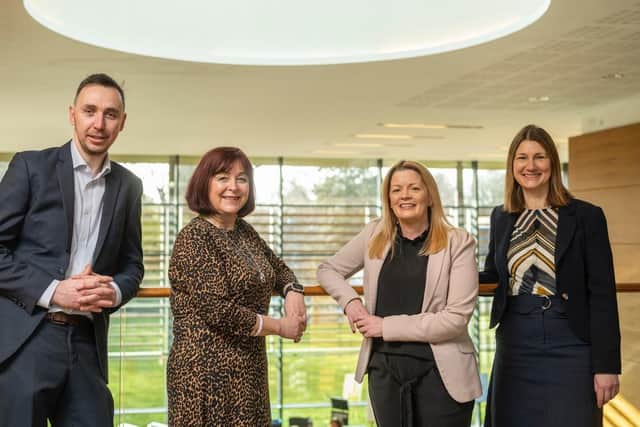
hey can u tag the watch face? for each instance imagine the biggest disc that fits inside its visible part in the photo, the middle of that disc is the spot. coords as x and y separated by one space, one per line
295 287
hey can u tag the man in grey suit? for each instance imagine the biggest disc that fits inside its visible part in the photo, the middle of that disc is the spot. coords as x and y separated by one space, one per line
70 254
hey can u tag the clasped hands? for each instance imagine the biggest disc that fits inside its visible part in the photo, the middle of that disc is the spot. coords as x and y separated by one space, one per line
86 291
294 323
360 320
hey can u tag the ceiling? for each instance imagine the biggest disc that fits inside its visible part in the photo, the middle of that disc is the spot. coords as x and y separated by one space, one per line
575 70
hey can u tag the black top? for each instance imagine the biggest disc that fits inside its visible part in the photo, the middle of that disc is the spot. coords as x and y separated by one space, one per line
401 286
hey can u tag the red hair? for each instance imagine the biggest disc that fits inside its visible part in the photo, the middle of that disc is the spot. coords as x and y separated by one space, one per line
220 159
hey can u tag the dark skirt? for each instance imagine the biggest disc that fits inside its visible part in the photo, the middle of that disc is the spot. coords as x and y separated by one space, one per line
542 372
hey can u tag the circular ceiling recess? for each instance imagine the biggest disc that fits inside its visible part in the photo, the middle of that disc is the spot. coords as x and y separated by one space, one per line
285 32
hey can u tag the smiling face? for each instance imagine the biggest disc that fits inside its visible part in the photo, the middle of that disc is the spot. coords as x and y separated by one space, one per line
408 197
229 192
97 117
532 167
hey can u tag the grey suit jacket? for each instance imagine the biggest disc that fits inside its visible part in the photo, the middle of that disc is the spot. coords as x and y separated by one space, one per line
36 220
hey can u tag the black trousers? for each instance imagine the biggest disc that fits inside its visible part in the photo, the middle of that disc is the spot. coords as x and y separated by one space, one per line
408 392
55 375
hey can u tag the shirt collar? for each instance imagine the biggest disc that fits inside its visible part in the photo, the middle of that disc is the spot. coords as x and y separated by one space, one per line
79 162
420 239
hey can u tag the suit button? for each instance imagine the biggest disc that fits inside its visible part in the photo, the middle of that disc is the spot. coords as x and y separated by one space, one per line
565 296
61 270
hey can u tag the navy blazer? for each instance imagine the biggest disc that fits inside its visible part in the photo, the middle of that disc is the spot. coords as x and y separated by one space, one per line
584 277
36 221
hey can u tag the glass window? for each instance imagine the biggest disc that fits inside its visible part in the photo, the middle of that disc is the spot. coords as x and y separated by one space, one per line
306 209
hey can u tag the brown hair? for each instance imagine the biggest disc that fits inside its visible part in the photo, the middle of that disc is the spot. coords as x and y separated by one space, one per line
220 159
438 225
99 79
558 193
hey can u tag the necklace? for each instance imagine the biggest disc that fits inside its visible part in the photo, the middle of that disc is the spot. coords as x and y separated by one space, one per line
246 254
239 248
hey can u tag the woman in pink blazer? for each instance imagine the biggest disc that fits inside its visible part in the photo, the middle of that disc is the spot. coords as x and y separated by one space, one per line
420 289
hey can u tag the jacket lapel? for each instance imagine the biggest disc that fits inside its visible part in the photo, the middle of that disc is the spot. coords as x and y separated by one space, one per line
64 171
503 232
566 230
112 188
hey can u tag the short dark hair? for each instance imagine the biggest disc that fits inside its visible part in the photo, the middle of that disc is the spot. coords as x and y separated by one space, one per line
220 159
99 79
558 193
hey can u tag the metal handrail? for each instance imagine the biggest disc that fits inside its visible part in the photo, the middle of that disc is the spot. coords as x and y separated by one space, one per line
317 291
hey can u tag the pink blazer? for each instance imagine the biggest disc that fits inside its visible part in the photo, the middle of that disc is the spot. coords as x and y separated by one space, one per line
450 295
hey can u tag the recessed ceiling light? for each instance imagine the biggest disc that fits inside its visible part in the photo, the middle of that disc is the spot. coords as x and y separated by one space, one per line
359 144
285 32
381 136
613 76
412 125
341 152
428 126
464 127
544 98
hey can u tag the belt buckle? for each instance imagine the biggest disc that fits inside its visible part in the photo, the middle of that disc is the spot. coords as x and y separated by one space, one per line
55 319
547 303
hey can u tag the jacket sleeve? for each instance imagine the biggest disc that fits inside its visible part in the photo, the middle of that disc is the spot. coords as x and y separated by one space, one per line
452 321
15 194
130 266
199 284
601 287
334 272
490 273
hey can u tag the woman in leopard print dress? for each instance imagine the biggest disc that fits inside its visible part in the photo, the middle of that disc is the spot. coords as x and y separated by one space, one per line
222 276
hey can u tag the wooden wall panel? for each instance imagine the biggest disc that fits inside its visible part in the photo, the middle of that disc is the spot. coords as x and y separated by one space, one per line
604 168
607 158
626 261
621 206
628 305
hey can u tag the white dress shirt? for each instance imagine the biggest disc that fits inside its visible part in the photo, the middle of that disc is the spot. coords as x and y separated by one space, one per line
87 214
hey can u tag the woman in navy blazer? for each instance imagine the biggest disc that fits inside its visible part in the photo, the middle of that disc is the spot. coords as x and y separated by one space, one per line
558 344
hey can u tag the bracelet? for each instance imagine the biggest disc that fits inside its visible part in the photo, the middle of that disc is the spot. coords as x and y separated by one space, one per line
260 324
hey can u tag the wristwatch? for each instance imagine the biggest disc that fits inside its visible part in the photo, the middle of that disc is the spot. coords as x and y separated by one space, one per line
293 287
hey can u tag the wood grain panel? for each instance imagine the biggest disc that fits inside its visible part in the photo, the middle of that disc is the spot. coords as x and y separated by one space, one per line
630 382
603 169
626 262
630 330
621 206
607 158
628 304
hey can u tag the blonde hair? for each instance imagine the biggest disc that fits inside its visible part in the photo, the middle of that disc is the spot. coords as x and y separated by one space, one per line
558 193
438 225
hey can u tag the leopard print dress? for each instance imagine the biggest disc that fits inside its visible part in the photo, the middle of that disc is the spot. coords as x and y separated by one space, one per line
217 371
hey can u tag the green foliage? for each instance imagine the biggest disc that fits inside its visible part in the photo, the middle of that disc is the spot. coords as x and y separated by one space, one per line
354 185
